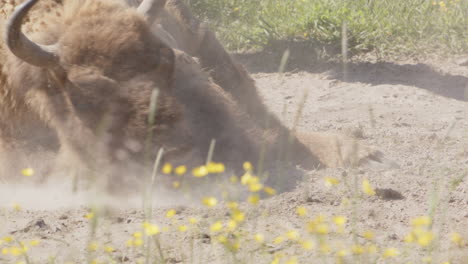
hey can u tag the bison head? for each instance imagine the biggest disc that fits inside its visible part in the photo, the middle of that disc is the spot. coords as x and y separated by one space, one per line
105 62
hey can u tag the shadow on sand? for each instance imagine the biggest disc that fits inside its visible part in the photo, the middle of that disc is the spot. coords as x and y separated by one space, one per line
306 58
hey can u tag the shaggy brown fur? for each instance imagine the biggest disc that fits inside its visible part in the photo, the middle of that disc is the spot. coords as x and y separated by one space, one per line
310 150
98 101
111 60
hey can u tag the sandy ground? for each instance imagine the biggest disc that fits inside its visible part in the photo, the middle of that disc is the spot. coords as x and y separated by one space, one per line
414 112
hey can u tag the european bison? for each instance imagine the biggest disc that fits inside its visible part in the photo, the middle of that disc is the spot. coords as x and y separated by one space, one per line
180 29
90 82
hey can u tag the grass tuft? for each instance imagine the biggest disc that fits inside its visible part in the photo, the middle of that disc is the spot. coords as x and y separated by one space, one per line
386 27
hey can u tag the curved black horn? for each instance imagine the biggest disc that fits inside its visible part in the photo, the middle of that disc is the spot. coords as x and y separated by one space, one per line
150 8
21 46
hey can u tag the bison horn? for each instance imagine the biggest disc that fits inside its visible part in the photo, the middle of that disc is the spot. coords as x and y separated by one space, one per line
150 8
22 47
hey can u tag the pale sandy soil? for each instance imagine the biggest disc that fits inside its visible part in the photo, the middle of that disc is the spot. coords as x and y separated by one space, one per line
415 113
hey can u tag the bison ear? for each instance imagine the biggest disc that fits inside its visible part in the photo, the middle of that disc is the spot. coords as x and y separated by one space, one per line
166 65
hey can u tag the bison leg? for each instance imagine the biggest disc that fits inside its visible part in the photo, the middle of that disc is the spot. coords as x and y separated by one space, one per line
340 150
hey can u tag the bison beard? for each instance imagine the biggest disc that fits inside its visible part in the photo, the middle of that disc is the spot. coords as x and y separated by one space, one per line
91 89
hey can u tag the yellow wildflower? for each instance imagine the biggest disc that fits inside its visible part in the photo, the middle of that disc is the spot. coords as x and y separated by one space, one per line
28 172
418 231
339 220
425 239
312 226
180 170
150 229
231 225
109 249
247 178
330 181
8 239
138 242
216 227
16 207
342 253
238 216
275 260
167 168
253 199
247 166
301 211
367 188
368 234
255 187
193 220
457 239
232 205
390 252
16 251
182 228
89 215
322 229
278 240
357 249
259 238
129 243
421 221
93 246
199 172
269 190
292 235
170 213
214 167
34 242
210 201
234 246
307 245
222 239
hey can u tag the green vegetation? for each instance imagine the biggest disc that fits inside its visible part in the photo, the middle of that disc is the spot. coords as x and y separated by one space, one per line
403 27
